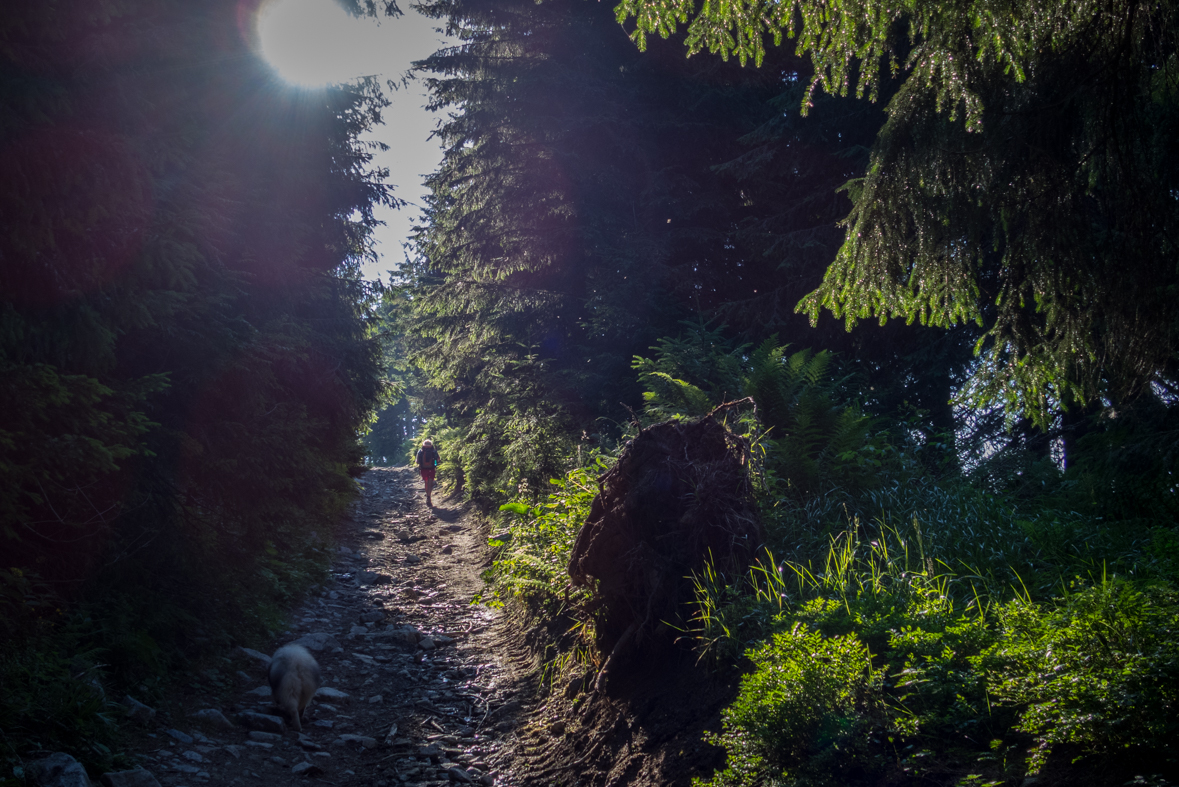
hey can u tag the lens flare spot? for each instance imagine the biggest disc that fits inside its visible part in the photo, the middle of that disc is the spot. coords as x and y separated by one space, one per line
314 43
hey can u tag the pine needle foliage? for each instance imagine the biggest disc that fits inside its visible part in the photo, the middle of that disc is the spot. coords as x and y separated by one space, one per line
1024 180
186 353
572 216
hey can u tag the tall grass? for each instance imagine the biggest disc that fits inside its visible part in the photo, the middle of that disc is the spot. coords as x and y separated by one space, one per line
871 576
1001 542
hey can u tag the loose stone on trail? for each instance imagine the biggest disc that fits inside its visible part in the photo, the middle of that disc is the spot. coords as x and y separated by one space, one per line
385 685
256 655
57 770
137 711
262 721
180 736
363 740
318 641
137 777
328 693
306 769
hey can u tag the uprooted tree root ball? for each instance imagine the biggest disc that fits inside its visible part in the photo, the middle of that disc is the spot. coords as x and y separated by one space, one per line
680 495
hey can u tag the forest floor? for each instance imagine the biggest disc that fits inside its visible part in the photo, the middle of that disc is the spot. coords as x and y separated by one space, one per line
423 686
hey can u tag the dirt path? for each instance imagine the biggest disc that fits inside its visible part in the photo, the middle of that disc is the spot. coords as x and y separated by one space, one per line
420 686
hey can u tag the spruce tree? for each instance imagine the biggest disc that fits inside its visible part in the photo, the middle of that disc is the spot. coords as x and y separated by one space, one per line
1024 180
185 349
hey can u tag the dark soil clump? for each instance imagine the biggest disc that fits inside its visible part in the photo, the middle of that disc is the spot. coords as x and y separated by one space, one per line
679 496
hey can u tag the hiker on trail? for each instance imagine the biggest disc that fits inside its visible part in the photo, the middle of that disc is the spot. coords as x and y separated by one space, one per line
428 460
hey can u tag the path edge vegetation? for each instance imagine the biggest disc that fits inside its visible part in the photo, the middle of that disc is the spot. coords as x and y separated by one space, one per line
187 355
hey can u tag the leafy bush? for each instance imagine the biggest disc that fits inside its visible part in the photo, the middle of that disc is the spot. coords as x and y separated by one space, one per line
1100 671
805 715
867 582
963 683
533 561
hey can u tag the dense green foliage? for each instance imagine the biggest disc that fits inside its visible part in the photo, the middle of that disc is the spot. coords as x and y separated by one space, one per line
946 593
1024 180
806 710
947 632
1099 672
545 254
185 355
590 198
532 557
994 690
616 238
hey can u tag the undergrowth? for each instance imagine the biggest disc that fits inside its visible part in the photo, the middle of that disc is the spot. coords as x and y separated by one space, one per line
906 622
951 677
54 697
532 553
1002 542
65 668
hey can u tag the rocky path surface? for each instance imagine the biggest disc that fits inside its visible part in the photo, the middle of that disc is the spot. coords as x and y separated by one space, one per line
420 686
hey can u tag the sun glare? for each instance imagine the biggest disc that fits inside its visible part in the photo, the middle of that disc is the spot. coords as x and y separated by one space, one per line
313 43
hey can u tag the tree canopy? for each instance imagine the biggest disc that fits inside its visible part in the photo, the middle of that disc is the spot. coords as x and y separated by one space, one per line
1024 180
591 197
185 355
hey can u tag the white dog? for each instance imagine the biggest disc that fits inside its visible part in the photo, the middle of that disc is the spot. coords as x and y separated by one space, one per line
294 679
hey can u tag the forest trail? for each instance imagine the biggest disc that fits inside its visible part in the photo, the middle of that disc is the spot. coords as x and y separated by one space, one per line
420 686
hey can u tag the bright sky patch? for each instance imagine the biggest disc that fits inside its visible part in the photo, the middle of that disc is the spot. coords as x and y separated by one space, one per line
313 43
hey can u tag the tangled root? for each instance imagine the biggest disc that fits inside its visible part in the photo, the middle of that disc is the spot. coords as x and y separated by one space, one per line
679 495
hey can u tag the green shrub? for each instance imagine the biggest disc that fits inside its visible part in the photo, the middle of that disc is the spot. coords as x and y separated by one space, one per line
868 583
533 561
957 686
938 697
808 714
1100 671
928 702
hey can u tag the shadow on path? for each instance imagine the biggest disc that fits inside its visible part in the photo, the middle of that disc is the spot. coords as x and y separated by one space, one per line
448 515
